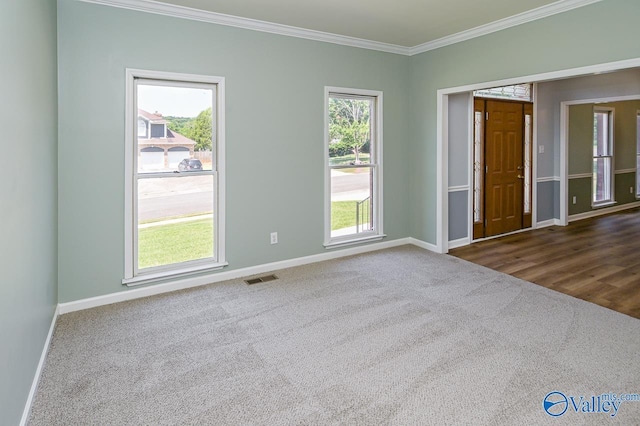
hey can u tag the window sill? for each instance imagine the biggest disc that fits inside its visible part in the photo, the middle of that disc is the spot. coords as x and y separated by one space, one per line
353 240
164 276
600 205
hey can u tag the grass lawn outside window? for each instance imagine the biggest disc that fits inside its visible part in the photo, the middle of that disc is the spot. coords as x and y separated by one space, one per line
343 214
175 242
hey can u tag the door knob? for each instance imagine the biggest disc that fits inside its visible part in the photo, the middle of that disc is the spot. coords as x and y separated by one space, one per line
520 177
519 167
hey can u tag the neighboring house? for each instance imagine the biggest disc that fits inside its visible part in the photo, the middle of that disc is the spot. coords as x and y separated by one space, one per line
160 147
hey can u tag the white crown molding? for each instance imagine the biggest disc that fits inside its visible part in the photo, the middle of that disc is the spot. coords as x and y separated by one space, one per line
175 11
502 24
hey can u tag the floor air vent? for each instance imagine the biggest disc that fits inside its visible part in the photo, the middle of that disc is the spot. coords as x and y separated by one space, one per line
262 279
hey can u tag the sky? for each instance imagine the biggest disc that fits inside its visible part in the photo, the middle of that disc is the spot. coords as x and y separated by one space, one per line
174 101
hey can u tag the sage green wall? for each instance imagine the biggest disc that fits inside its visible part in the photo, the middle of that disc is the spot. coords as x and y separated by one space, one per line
581 151
28 289
625 133
581 135
549 96
581 189
602 32
274 133
580 139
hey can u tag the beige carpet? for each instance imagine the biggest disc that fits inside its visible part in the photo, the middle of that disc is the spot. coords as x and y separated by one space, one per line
395 337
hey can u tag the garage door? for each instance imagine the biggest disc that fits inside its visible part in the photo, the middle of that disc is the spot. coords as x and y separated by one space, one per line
176 155
151 158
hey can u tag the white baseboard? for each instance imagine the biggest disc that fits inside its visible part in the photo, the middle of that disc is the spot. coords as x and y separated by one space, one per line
459 242
546 223
36 378
423 244
603 211
139 292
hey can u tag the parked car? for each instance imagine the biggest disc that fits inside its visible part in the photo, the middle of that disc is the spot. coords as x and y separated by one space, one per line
190 165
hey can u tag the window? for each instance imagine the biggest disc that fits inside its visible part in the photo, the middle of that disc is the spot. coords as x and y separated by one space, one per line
353 157
528 136
158 130
602 188
174 205
142 128
521 92
638 154
478 132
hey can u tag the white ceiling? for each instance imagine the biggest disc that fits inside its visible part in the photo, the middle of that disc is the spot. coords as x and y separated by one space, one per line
404 23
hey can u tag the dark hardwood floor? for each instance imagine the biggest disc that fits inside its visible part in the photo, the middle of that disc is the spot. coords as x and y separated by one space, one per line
595 259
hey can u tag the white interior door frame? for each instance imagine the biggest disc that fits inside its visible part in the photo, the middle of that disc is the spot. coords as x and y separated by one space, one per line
442 138
564 147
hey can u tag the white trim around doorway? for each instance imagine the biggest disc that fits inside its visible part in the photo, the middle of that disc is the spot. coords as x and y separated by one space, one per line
442 141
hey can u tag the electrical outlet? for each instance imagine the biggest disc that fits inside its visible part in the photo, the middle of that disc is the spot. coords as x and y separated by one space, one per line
540 149
574 199
274 238
631 190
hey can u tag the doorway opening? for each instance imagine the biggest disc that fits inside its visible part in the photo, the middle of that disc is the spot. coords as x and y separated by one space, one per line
591 81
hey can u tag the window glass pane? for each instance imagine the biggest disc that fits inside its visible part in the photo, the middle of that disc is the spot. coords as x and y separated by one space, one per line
518 91
527 163
175 220
350 131
351 201
601 145
175 129
602 179
477 164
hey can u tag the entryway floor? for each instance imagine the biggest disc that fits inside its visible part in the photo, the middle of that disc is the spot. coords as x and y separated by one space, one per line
596 259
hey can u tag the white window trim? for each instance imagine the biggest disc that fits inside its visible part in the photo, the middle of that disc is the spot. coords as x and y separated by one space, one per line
185 269
612 189
377 234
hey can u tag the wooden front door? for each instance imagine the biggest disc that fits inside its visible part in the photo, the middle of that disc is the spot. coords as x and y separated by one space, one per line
504 177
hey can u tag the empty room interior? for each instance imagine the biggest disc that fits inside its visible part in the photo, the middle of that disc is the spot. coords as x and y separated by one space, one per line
280 212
